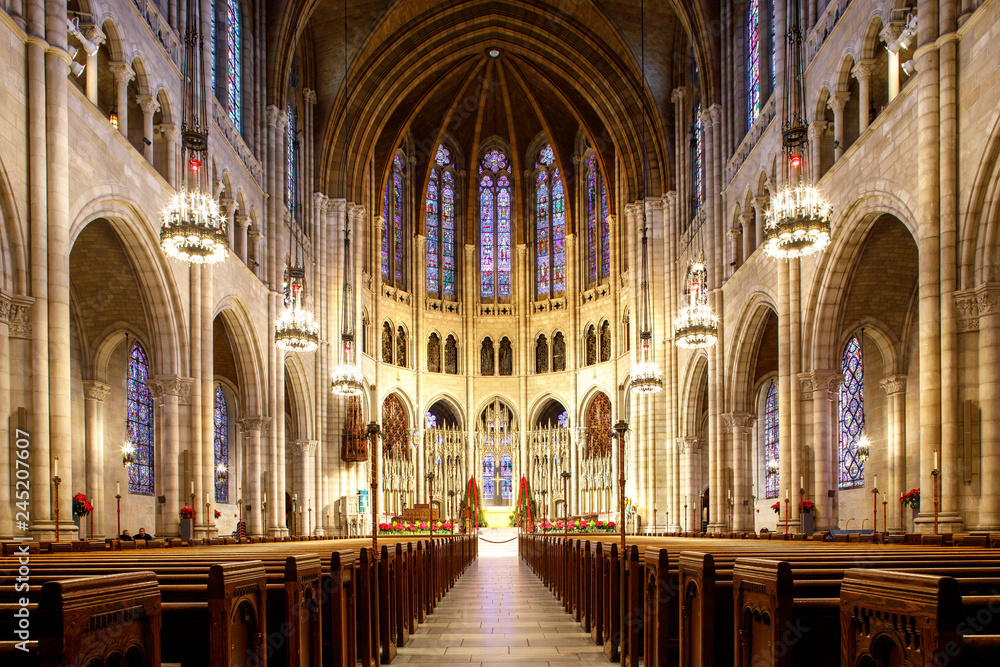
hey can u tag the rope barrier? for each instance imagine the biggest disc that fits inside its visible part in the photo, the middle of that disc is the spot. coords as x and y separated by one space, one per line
498 541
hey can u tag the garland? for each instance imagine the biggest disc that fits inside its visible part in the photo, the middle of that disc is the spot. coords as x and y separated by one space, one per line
474 508
525 505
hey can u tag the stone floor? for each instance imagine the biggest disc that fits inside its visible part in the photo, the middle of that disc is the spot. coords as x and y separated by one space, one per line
499 612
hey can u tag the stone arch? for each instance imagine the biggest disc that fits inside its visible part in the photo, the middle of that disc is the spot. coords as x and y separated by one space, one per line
13 277
541 404
452 403
247 350
588 397
822 298
870 40
695 385
750 327
298 396
980 230
510 405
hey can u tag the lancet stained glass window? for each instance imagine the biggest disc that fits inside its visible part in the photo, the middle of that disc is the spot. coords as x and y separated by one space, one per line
234 66
598 236
753 60
392 235
852 416
698 159
214 33
772 478
506 477
489 483
139 422
495 227
221 421
550 226
439 208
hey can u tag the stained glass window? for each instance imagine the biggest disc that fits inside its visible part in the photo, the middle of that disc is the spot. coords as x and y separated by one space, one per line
489 483
550 226
598 237
506 357
563 421
487 357
234 81
542 354
392 234
434 353
139 422
221 446
559 352
852 416
506 477
599 426
430 420
770 20
292 162
495 227
591 345
698 159
772 478
401 347
386 343
439 209
394 428
606 341
451 356
753 59
214 38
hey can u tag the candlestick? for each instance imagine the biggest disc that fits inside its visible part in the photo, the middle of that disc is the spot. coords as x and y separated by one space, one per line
787 494
118 488
55 467
875 482
935 459
208 498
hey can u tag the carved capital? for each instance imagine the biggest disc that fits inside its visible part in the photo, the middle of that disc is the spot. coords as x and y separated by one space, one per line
741 423
893 384
148 104
612 221
93 33
309 96
967 311
273 114
670 198
864 69
170 132
715 111
305 447
760 204
838 101
735 233
16 312
678 95
95 390
817 128
174 385
689 444
121 71
988 300
892 31
255 423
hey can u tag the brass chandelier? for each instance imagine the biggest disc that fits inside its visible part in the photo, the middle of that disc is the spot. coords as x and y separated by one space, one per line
193 228
347 379
296 330
798 221
696 325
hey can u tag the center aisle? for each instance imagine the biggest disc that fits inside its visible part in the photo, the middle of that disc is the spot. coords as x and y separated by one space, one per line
499 612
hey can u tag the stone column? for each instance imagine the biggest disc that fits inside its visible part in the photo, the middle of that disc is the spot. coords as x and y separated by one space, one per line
988 297
305 449
822 388
97 36
895 388
758 210
149 106
890 33
58 247
253 428
837 102
929 257
123 74
863 73
785 424
9 446
240 222
171 136
253 250
817 129
95 393
747 220
176 397
742 424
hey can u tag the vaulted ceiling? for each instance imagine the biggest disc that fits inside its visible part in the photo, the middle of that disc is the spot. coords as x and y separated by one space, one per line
422 69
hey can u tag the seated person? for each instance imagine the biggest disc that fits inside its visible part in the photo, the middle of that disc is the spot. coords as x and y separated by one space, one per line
143 535
126 537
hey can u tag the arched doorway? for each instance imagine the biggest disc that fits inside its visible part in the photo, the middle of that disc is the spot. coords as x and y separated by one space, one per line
498 446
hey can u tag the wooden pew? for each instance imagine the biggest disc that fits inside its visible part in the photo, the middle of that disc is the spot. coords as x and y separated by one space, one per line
100 620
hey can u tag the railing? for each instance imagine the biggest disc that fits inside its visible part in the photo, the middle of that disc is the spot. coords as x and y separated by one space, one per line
824 26
753 135
160 27
235 140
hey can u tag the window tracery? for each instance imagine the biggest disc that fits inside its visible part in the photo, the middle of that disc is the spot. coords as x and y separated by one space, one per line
772 477
541 354
393 239
139 422
598 236
451 356
394 429
852 416
559 353
506 357
487 357
434 353
440 209
221 423
599 426
550 226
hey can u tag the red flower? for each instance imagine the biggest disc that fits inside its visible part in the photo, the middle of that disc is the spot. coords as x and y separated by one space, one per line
187 512
777 508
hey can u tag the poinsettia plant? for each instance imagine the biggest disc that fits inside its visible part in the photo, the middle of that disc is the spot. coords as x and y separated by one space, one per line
807 506
777 508
218 514
81 506
187 512
911 498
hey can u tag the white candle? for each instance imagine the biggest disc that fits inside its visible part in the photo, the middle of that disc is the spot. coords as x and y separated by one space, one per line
265 498
118 488
753 490
935 459
802 483
787 494
875 482
192 487
55 467
208 498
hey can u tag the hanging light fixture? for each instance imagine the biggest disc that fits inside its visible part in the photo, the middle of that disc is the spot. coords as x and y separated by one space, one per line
798 221
193 228
696 326
296 330
347 379
864 446
646 375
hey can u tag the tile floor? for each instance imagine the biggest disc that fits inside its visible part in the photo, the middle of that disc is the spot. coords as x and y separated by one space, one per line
500 613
